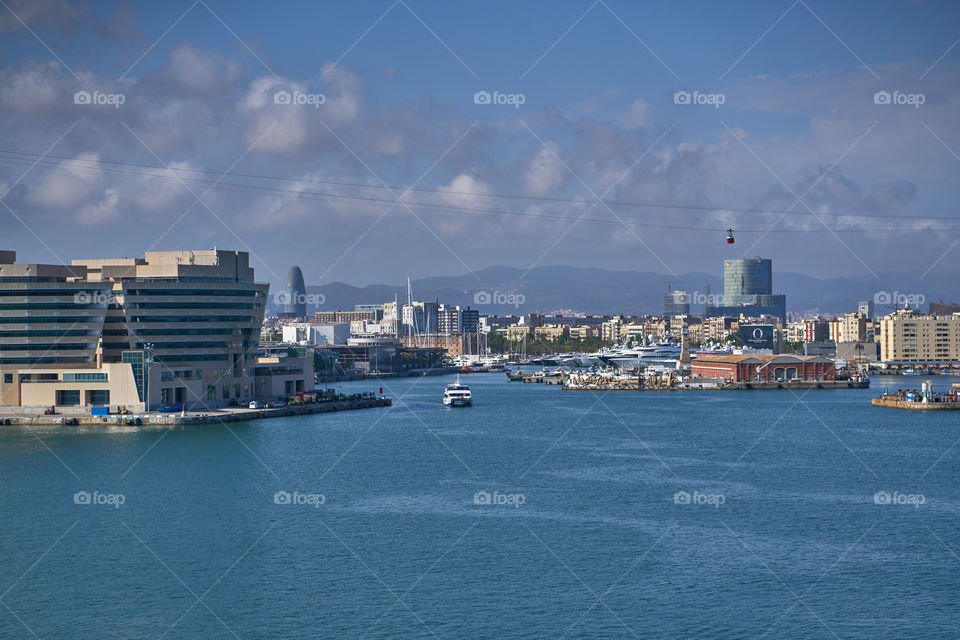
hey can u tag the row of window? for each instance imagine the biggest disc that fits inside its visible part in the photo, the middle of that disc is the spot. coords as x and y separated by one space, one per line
247 293
191 319
45 320
28 306
192 305
46 360
248 331
57 346
91 294
42 333
175 345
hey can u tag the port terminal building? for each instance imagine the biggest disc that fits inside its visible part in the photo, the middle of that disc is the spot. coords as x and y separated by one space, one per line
174 328
763 368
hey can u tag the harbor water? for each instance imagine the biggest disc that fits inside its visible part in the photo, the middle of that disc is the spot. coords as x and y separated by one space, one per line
535 513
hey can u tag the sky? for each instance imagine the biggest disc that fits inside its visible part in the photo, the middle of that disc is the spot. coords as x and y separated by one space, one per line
371 141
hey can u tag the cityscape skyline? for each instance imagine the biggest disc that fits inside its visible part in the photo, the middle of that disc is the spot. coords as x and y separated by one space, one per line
522 141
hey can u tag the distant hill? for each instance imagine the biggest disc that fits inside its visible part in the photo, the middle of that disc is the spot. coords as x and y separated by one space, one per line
505 290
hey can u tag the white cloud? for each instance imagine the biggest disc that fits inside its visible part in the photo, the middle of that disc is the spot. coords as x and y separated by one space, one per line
103 210
545 173
201 70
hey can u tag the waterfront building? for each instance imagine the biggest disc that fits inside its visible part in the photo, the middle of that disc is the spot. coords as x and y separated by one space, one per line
762 368
172 328
906 336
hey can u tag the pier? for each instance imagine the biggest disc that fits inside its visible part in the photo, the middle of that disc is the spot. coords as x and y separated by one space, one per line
226 414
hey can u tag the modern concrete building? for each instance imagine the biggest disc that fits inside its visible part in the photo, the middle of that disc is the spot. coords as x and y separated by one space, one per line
908 337
748 290
172 328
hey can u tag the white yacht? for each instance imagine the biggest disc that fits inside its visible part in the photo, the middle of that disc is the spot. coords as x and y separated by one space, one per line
457 395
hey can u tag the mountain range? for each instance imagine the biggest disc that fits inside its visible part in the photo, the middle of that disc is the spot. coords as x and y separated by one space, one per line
506 290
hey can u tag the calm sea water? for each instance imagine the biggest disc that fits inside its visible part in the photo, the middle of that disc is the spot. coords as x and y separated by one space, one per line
537 513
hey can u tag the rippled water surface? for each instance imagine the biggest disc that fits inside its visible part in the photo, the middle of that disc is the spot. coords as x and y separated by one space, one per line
537 513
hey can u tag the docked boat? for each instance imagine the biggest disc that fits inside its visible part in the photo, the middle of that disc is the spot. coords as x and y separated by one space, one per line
457 395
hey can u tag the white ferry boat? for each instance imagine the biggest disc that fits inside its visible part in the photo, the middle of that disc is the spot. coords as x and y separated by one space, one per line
457 395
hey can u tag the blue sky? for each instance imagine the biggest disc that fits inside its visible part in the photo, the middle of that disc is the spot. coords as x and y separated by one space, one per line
797 139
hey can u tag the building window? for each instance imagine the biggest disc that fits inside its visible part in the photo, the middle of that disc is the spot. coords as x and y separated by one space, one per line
226 392
98 397
68 397
85 377
8 378
211 392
